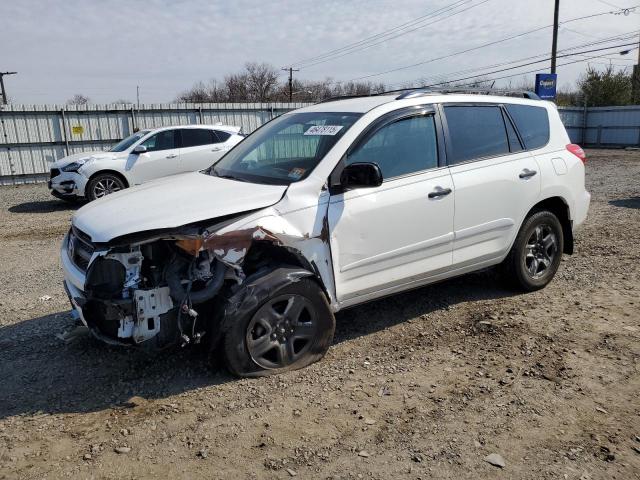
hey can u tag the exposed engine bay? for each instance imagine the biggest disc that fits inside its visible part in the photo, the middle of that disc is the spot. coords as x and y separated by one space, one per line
149 291
168 289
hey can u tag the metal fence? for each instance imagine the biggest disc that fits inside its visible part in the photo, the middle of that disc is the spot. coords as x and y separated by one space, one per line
602 127
34 136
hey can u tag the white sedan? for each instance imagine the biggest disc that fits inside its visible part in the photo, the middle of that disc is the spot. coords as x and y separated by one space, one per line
143 156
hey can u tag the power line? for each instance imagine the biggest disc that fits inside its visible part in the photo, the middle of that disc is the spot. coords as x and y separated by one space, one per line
533 63
621 37
536 70
625 10
364 47
389 31
467 50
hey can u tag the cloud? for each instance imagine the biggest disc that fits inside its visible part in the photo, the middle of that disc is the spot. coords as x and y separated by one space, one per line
104 49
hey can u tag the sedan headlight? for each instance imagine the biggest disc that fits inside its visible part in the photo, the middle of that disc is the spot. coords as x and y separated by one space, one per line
74 166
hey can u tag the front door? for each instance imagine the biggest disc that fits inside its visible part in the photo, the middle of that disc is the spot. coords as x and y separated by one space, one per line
162 158
389 236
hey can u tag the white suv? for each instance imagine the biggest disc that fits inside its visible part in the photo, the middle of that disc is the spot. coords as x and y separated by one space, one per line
324 208
143 156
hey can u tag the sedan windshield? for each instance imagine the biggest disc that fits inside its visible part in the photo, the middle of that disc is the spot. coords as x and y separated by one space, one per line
122 145
286 149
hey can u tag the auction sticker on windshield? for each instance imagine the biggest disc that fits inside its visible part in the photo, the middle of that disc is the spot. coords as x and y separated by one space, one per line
323 130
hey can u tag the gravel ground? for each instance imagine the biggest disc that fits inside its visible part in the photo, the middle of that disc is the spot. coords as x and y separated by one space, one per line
425 384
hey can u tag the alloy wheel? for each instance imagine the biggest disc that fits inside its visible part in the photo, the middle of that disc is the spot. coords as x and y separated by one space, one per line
281 331
540 251
105 186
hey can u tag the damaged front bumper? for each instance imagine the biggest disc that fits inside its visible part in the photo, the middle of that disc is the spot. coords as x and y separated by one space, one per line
68 185
131 316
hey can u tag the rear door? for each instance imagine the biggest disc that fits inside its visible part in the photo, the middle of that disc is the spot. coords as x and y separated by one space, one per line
200 148
496 181
388 237
162 157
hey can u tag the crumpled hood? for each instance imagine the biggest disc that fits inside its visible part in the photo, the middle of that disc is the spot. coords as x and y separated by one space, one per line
82 155
171 202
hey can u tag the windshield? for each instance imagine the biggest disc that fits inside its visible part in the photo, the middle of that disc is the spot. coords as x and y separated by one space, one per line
286 149
130 140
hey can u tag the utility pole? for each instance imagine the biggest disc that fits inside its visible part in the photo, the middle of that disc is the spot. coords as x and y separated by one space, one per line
4 92
635 80
554 44
138 95
291 70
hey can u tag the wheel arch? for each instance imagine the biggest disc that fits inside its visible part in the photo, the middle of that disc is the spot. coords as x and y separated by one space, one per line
277 255
112 172
559 207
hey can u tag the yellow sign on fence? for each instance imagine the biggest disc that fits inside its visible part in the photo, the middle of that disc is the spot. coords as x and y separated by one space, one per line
77 129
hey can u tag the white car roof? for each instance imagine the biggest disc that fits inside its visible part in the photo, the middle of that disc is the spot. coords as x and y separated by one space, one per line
225 128
365 104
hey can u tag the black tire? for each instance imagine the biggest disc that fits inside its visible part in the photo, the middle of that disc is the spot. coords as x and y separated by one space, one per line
243 361
536 253
103 184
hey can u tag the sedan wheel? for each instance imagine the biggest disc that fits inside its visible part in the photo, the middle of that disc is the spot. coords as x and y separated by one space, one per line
104 185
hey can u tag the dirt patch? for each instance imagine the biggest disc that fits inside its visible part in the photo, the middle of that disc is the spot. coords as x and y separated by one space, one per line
424 384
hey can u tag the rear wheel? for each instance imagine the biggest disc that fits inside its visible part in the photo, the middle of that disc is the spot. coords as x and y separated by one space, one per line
104 184
293 328
536 253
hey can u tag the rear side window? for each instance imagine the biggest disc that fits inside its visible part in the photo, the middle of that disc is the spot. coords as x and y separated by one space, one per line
193 137
400 148
475 132
222 136
532 123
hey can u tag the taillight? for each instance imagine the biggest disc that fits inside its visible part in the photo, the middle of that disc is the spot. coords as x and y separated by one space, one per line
577 151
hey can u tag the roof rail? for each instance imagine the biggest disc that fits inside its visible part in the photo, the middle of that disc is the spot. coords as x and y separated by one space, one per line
347 97
417 92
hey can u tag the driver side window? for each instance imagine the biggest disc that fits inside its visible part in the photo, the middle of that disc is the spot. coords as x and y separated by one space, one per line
400 148
164 140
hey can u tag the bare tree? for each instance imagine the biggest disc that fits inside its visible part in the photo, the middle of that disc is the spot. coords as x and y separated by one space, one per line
236 87
261 81
78 99
212 92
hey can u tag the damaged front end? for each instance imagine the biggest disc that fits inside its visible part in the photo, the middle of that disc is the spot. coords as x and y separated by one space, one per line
161 289
146 292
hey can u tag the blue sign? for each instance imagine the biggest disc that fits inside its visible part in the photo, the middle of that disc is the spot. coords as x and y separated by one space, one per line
546 85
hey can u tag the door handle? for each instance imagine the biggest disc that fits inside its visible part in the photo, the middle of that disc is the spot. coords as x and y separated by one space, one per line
439 192
526 173
216 149
173 155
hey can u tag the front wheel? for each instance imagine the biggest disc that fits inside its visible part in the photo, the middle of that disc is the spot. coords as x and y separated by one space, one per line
104 184
536 253
291 329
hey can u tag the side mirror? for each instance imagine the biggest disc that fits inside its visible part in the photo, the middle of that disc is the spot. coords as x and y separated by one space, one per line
139 149
361 175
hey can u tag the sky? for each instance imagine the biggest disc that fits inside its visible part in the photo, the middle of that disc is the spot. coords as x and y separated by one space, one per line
105 48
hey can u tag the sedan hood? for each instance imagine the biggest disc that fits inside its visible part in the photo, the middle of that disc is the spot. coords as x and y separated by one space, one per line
172 202
81 156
